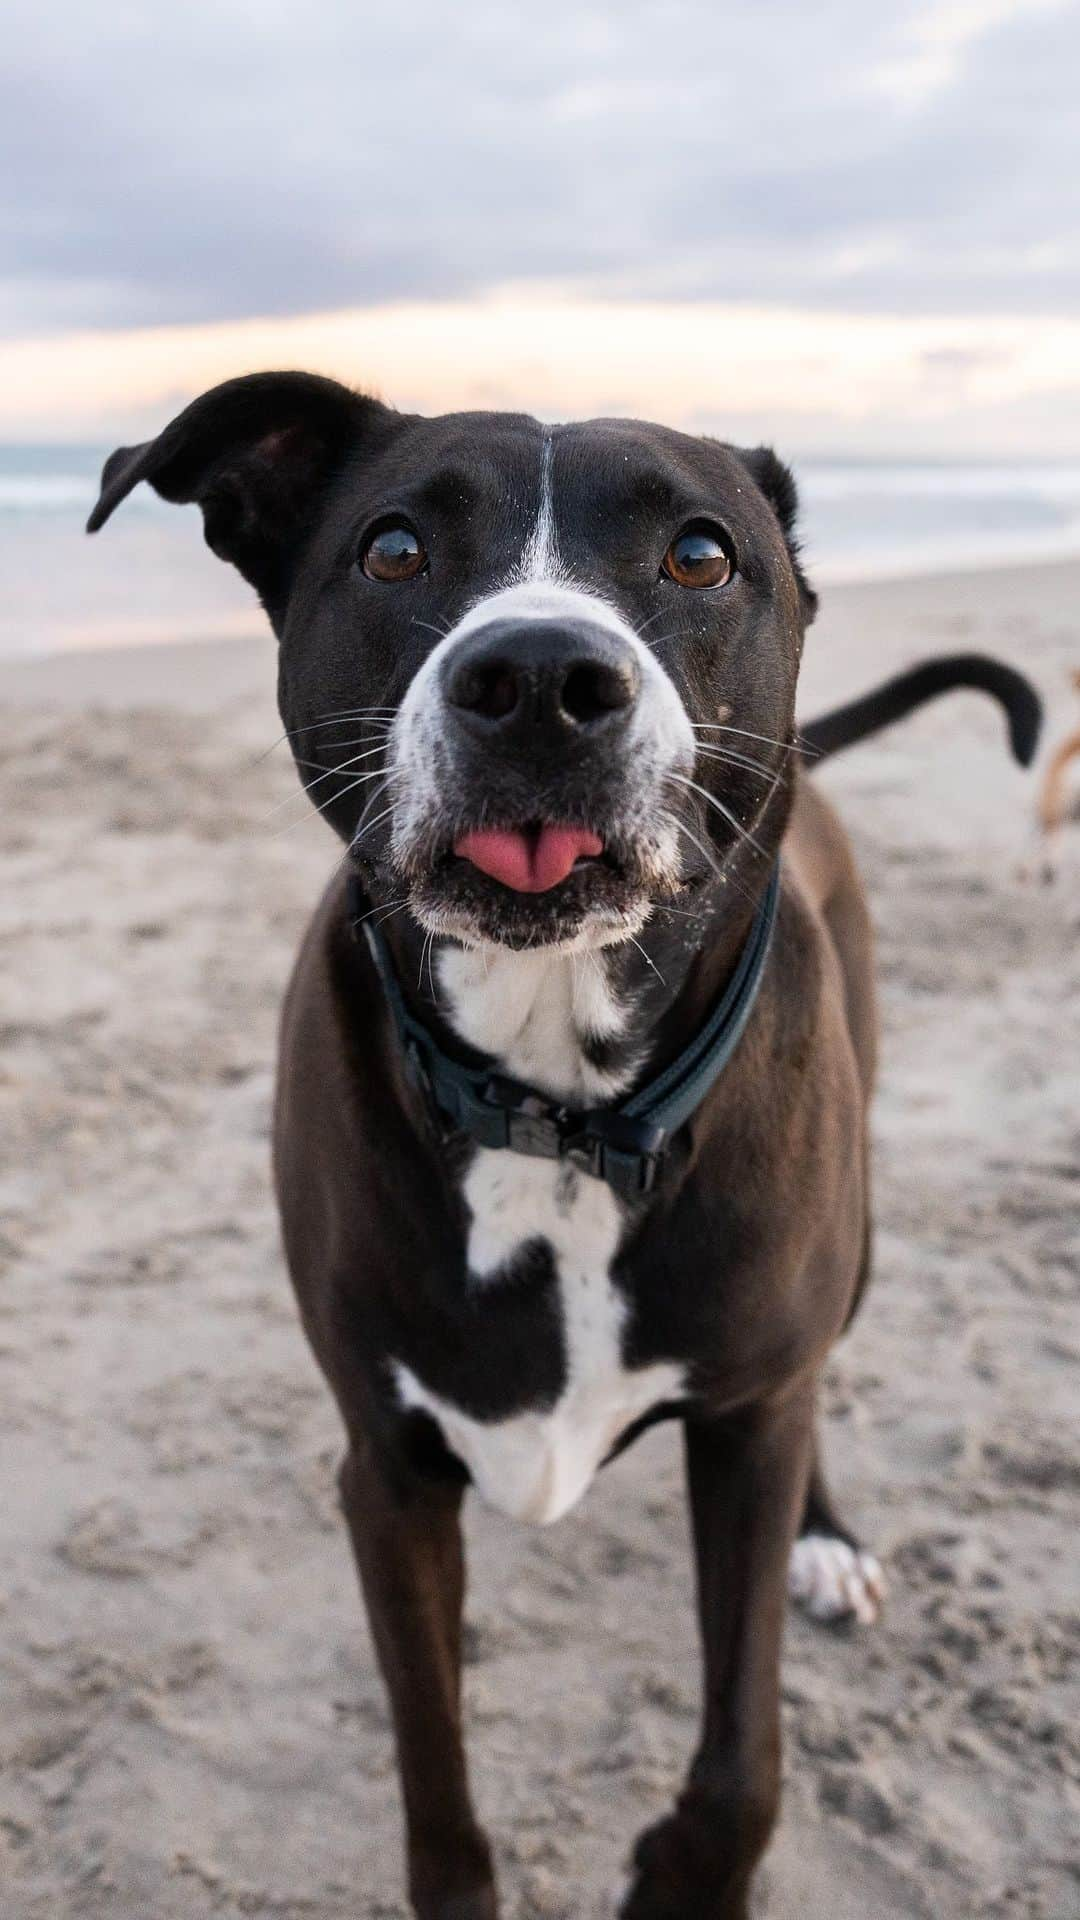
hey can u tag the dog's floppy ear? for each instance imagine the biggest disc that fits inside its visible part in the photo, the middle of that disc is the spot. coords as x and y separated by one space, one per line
256 454
777 482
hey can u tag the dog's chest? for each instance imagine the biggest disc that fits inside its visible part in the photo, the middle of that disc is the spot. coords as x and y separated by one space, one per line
534 1012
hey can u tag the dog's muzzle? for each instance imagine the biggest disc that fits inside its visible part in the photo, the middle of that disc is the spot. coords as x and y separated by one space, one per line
530 758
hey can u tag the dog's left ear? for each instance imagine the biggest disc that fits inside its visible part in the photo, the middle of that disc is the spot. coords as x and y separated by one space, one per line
256 454
777 483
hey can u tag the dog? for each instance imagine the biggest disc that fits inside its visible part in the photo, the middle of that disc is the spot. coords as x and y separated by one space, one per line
570 1129
1053 804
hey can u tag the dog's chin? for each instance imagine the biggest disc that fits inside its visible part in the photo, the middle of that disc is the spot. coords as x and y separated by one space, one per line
597 904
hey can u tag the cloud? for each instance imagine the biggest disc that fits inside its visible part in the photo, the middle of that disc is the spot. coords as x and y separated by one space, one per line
210 162
809 380
933 44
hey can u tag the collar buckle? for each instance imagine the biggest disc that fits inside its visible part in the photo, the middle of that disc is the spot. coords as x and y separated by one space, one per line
535 1132
627 1153
605 1143
503 1113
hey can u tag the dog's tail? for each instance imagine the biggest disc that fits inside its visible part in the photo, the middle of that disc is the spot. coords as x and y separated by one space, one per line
1023 708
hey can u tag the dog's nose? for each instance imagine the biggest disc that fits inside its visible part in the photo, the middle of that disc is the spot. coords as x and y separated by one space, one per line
537 677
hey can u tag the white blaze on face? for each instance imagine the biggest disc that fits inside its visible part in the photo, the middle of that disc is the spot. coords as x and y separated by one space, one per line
540 560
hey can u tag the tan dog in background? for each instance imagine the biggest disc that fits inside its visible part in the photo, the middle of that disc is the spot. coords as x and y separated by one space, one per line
1054 801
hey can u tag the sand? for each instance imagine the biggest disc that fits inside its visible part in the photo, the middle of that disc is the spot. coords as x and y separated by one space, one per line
192 1719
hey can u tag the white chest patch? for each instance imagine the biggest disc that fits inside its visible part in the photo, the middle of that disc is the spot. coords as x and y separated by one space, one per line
531 1010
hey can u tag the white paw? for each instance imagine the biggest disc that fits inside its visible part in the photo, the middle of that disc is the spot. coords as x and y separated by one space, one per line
832 1581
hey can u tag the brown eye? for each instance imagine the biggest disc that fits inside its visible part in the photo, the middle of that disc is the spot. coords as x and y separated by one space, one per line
393 553
699 557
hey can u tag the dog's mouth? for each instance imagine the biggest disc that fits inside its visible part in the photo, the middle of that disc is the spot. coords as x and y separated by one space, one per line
529 883
529 859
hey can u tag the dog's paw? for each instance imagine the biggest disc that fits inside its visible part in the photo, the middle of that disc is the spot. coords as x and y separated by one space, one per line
677 1876
461 1906
832 1581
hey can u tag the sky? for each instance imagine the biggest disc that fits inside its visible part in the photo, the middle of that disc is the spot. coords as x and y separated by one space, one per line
845 228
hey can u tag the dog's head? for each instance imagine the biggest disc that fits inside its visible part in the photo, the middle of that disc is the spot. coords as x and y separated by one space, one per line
542 679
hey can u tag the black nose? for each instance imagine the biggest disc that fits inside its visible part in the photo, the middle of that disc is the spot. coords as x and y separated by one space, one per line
539 676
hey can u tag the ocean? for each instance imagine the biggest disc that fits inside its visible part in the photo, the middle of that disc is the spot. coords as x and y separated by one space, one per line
151 578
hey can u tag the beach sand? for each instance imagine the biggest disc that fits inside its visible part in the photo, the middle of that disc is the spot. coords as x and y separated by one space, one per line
192 1720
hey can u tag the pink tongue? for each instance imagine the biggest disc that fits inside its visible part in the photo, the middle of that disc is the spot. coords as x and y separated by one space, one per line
528 862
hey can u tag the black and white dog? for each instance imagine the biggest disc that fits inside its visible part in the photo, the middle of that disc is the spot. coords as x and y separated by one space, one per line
571 1124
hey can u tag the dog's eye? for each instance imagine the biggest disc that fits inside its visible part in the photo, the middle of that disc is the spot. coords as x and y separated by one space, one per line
699 556
393 553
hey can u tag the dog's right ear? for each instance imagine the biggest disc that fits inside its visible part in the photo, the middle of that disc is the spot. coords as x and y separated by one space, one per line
256 454
777 483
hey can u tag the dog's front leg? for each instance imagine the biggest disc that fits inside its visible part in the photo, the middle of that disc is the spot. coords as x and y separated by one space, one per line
408 1546
747 1480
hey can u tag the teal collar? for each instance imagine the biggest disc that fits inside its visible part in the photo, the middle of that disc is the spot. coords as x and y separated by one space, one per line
624 1144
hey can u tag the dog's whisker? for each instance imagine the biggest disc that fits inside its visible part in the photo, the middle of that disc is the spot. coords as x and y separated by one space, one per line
766 739
732 759
677 821
649 961
426 955
720 870
385 913
360 781
358 740
357 780
374 729
386 909
302 794
738 763
679 913
372 824
372 734
267 751
343 765
293 733
380 906
377 792
646 624
353 713
325 773
298 795
725 812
